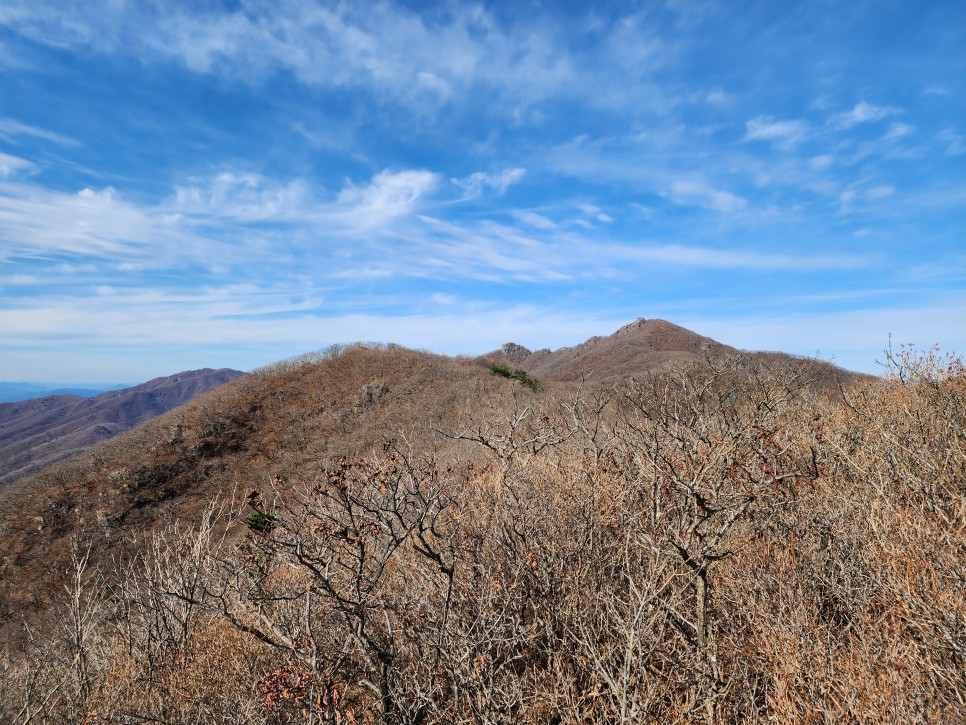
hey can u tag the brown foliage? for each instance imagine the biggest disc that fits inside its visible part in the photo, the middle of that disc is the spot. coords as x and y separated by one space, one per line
711 543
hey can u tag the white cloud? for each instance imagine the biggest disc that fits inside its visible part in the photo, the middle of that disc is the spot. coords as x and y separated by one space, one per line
880 192
240 196
10 165
175 332
862 113
20 280
820 162
253 199
389 195
706 257
955 142
229 224
643 209
846 199
784 133
488 251
857 193
533 219
411 58
435 83
209 222
421 60
10 129
898 130
691 192
89 223
592 210
474 185
854 339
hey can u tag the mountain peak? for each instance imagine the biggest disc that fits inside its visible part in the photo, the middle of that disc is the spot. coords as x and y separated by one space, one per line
635 348
514 353
635 325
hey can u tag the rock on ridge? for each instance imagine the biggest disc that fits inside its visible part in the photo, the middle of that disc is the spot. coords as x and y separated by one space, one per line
514 353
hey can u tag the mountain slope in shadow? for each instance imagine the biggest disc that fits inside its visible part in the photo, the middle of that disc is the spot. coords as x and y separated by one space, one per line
38 432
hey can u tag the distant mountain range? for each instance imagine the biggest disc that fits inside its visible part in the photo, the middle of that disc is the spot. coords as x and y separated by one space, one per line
15 392
42 430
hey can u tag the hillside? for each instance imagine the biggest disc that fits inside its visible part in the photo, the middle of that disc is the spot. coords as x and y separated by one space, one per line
374 534
40 431
643 346
635 348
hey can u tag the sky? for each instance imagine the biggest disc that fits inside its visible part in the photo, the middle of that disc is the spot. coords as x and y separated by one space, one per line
227 184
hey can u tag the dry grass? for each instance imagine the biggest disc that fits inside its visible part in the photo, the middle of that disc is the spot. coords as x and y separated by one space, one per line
708 544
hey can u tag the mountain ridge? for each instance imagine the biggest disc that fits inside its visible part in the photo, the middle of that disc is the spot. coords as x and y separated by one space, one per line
640 346
490 497
40 431
290 419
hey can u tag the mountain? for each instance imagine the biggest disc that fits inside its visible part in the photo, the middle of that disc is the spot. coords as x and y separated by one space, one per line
289 421
39 431
374 534
13 392
642 346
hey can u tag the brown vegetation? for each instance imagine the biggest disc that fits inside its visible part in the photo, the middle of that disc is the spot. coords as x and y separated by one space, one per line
646 345
379 535
37 432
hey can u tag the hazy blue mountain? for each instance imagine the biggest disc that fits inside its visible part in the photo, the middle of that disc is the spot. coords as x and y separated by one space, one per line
12 392
39 431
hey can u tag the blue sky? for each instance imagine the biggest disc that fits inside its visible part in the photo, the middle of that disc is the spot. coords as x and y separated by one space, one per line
208 184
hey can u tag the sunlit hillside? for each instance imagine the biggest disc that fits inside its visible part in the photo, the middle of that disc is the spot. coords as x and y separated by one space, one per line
379 535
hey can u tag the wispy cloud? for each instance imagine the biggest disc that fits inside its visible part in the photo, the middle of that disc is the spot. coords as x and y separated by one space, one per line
707 257
312 170
409 57
853 338
898 130
9 165
535 220
165 325
954 142
862 113
94 223
207 221
594 211
418 60
695 192
880 192
475 184
784 133
861 194
11 129
244 197
254 199
389 195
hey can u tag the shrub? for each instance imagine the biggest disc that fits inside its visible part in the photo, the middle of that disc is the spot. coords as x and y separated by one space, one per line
261 522
520 376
